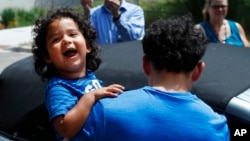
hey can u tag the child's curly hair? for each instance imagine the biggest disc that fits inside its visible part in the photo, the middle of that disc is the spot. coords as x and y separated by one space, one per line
40 30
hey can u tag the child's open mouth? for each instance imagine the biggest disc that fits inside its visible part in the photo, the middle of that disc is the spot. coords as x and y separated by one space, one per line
70 53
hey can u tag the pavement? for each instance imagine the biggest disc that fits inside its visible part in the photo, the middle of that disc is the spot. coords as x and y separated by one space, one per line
15 44
16 39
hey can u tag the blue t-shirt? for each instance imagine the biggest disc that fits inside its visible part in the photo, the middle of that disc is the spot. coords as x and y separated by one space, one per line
130 25
148 114
61 94
233 39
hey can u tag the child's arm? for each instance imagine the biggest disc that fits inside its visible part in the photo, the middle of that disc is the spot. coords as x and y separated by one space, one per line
71 123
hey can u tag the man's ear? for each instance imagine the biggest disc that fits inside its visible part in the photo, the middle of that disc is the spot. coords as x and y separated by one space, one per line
146 65
197 71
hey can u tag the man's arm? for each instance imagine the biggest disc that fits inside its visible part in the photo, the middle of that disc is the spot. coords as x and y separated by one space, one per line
131 26
87 5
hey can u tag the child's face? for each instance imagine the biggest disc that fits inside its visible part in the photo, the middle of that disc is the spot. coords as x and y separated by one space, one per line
67 48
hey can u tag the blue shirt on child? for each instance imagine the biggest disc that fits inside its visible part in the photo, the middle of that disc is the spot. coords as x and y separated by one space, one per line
61 94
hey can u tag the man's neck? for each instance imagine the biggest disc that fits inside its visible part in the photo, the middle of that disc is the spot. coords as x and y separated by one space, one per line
169 81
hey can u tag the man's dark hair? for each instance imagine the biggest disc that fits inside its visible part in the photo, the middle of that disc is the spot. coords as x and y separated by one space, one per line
40 30
174 44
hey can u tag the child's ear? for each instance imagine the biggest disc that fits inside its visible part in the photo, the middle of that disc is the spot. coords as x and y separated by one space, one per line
88 49
47 59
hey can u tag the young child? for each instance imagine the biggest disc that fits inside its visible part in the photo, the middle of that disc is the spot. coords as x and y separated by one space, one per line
66 55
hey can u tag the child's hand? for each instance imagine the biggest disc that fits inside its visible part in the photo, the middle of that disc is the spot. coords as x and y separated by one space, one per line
109 91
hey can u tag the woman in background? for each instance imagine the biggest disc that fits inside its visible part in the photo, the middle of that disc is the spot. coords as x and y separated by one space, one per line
219 29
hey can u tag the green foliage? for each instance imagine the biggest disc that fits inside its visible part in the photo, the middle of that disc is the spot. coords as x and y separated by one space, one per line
160 9
153 10
28 17
97 2
156 9
8 17
13 17
238 11
153 4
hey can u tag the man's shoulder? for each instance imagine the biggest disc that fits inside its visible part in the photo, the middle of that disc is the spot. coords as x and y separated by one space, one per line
127 93
125 96
130 5
97 8
138 90
127 99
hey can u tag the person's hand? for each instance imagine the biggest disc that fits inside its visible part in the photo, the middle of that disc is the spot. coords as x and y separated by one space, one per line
109 91
86 4
113 6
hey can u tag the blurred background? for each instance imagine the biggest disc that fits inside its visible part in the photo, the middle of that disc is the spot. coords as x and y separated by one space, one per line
18 13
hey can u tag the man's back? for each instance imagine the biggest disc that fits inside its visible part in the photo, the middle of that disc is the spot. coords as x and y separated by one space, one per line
165 109
151 114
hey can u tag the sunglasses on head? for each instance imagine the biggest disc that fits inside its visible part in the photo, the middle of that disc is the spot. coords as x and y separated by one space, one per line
219 6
